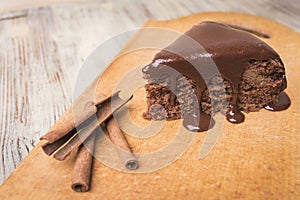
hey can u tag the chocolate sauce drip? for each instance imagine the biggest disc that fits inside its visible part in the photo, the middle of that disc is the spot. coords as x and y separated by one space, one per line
282 104
219 50
198 123
234 115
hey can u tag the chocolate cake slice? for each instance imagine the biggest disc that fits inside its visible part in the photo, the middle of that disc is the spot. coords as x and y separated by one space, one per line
214 68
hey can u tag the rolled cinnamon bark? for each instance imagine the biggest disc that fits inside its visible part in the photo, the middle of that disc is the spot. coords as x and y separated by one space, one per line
83 166
105 110
49 149
76 141
118 139
68 122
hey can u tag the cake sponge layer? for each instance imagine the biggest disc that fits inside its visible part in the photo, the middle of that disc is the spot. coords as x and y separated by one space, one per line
262 81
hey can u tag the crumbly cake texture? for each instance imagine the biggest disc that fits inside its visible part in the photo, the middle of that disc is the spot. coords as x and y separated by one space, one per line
262 82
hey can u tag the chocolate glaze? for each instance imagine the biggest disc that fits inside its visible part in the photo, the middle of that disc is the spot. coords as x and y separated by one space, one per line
282 104
234 115
198 123
228 48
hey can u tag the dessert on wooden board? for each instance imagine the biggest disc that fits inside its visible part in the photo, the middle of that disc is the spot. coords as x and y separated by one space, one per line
211 68
247 160
186 81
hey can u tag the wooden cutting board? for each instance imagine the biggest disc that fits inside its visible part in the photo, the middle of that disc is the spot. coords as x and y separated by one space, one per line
258 159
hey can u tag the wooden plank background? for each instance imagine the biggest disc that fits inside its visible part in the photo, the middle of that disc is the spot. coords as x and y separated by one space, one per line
252 160
42 50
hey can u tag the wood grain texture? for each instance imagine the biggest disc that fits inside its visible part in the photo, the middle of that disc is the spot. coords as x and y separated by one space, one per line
255 161
42 50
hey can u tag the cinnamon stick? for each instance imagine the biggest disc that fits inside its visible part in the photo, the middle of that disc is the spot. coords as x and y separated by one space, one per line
76 141
105 110
118 139
83 166
49 149
68 122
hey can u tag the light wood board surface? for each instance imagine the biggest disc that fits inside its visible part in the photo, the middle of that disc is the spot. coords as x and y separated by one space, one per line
42 51
258 159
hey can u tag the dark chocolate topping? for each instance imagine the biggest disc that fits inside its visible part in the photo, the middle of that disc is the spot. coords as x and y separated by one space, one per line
282 104
217 46
198 123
